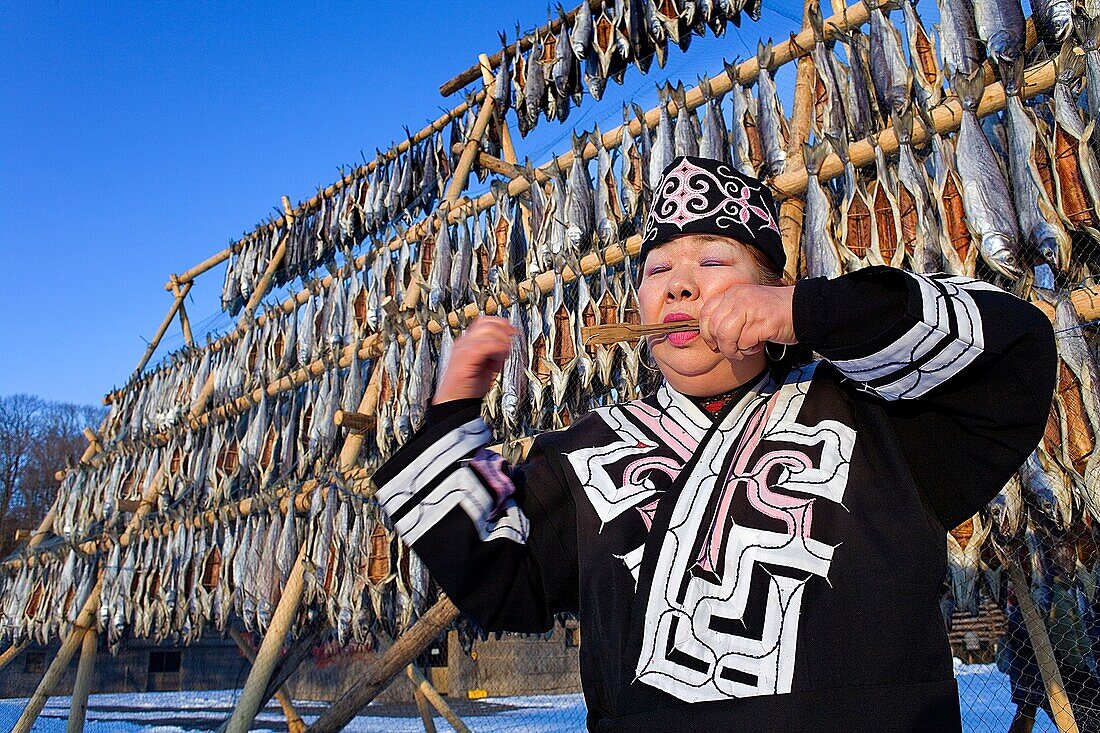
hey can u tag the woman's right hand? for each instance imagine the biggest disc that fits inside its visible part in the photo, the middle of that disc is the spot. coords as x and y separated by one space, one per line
477 357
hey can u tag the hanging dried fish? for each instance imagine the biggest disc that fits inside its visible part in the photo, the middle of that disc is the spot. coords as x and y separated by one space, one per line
1000 25
889 72
986 195
773 124
818 241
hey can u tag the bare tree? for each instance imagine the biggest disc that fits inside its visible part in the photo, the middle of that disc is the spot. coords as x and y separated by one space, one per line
36 439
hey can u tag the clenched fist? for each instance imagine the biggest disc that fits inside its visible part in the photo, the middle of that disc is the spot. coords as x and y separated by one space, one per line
737 322
477 357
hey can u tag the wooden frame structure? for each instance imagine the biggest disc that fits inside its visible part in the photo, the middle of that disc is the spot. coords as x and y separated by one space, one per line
271 666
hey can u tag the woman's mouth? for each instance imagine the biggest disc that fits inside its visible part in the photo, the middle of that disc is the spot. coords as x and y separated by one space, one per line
680 338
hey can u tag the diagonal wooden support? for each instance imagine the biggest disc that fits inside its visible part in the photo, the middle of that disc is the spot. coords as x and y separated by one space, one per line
84 622
185 324
269 272
176 303
294 722
384 668
422 705
12 652
78 709
1044 654
252 697
431 695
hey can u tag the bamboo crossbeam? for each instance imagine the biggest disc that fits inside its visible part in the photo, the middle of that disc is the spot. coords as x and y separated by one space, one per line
354 421
176 302
307 207
78 708
294 722
471 74
1044 654
383 669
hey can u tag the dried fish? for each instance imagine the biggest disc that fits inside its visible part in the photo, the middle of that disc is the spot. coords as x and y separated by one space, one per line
773 124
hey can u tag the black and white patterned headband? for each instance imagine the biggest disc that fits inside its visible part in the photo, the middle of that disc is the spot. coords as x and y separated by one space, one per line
705 196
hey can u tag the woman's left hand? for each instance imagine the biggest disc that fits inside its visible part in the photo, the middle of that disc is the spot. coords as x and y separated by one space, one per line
738 322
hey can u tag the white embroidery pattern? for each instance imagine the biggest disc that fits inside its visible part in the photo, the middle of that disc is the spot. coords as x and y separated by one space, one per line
690 193
698 644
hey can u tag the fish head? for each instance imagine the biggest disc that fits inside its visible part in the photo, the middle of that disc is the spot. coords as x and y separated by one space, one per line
1000 255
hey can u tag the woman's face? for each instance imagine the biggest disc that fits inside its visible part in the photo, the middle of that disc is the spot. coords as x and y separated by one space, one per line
677 278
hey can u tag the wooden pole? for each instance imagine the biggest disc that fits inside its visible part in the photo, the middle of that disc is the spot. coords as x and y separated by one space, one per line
505 131
12 652
185 324
84 621
78 709
269 272
469 155
163 327
384 668
1044 654
294 721
422 705
792 208
431 695
251 697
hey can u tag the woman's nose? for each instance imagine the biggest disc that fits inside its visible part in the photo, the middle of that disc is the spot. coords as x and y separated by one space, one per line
680 287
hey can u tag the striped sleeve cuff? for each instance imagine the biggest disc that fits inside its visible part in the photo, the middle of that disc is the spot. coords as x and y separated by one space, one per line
432 474
903 354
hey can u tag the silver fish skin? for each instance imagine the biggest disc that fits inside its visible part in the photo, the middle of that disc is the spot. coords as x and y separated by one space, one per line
534 89
714 143
773 135
685 141
580 37
460 265
594 77
1000 25
514 381
818 241
579 206
964 566
440 292
565 71
1049 492
628 160
502 89
606 218
1090 42
1053 21
1038 219
739 140
834 123
986 196
913 177
661 152
1067 114
863 114
890 73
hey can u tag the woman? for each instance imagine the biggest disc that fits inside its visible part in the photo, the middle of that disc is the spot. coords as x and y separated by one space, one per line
747 546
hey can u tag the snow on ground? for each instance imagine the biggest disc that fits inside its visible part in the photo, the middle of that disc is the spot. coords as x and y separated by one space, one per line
986 704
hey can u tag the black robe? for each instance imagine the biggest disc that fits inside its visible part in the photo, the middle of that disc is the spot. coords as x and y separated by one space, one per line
778 568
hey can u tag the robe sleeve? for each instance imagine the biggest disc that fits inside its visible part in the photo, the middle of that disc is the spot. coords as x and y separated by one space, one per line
500 540
966 370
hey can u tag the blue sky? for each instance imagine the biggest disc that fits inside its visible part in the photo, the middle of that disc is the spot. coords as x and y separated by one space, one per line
138 139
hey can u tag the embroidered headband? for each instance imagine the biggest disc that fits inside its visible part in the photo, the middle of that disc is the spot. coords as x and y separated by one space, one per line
705 196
